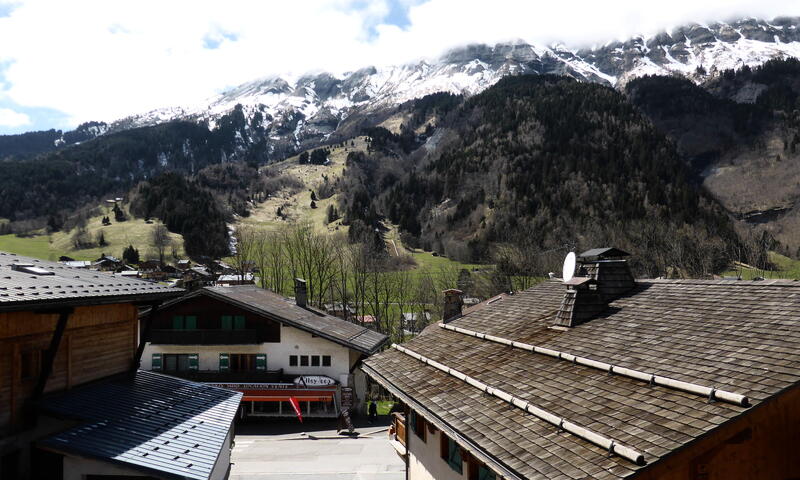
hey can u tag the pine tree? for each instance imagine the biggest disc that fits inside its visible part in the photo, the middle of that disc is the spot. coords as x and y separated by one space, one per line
130 255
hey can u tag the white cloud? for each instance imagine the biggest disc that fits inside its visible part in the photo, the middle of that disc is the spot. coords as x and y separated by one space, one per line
10 118
95 59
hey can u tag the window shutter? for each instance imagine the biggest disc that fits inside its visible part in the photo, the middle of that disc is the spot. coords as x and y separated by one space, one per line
238 322
177 322
224 362
156 365
191 322
261 361
227 322
194 361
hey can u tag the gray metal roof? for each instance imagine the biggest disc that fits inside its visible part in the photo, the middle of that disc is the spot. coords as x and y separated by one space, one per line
605 252
156 423
279 308
69 286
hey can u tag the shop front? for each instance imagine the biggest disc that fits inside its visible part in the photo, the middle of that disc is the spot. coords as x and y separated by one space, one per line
305 397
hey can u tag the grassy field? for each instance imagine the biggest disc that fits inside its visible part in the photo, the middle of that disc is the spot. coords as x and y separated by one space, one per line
296 204
118 236
786 268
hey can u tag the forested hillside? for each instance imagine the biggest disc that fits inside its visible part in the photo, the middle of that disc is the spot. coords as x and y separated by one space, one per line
740 133
541 162
67 178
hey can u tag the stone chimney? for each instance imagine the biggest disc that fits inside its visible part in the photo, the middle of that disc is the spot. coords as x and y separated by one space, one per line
582 302
602 277
300 292
609 269
452 304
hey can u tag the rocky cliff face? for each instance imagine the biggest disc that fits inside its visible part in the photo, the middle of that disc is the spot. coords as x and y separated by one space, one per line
293 114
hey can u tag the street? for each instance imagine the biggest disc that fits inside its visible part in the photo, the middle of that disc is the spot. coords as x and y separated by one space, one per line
284 448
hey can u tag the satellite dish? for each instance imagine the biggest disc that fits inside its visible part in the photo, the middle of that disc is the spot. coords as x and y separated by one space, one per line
569 267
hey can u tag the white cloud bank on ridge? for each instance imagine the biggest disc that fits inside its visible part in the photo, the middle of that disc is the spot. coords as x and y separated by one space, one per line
10 118
101 60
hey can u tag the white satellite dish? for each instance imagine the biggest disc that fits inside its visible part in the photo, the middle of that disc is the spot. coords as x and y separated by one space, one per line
569 267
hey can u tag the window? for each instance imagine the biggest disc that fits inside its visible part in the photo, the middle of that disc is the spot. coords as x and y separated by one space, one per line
417 425
315 360
292 360
226 322
156 364
30 364
238 322
451 453
188 322
244 362
485 474
182 362
261 361
326 360
303 360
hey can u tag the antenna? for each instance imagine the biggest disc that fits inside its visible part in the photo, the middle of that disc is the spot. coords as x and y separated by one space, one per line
569 267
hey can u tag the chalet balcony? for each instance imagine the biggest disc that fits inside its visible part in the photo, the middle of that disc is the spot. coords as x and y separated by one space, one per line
397 433
214 376
204 337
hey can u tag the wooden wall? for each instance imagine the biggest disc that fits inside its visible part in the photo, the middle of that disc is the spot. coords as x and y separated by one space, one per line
763 444
209 311
99 341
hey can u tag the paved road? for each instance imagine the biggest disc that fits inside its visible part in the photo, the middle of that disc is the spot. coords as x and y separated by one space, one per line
281 449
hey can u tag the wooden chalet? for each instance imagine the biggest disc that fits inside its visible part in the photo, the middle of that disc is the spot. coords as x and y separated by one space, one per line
604 377
72 402
270 348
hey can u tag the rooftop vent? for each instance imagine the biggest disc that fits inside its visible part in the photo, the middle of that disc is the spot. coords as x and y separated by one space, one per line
300 292
582 301
593 279
452 304
30 268
609 269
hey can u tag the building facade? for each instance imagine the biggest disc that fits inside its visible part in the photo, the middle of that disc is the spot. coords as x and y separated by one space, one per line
69 339
266 346
604 377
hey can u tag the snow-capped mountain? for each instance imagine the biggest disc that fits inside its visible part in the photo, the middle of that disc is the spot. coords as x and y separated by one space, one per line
295 113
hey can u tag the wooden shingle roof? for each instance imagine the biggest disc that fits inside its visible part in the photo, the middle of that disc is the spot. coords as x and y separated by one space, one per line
741 337
281 309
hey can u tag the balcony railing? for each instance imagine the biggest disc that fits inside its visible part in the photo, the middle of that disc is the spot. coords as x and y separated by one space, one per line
213 376
204 337
398 430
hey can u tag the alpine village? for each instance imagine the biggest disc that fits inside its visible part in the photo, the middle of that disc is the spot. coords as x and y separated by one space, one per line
513 259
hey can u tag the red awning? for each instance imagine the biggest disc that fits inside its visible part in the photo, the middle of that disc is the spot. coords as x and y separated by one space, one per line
285 395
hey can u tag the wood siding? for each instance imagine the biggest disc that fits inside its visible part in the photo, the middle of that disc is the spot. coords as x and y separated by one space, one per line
209 312
99 341
762 443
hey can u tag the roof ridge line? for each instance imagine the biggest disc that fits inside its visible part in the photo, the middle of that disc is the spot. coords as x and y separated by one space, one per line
602 441
711 393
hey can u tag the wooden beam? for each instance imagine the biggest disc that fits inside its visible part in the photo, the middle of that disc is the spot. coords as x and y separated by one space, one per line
148 323
50 353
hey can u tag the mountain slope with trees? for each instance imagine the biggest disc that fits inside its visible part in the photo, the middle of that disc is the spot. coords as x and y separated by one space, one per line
540 163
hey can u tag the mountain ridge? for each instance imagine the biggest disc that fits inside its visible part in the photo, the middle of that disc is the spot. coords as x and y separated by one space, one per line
296 113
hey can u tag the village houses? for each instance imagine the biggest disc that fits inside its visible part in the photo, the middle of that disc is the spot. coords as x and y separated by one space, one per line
73 403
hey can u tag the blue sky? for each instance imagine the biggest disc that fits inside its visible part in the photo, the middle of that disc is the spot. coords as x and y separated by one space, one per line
67 62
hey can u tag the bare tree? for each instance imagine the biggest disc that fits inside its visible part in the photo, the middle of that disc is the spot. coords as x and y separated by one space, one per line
161 240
